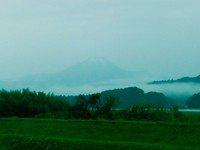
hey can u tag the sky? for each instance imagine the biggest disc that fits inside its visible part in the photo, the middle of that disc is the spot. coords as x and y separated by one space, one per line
160 37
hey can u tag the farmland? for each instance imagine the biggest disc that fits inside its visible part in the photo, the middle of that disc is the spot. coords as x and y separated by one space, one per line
36 134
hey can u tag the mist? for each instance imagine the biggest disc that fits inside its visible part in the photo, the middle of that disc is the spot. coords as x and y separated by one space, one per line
179 92
153 40
155 37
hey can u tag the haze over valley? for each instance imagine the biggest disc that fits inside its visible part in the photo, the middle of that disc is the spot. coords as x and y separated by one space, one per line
84 47
96 75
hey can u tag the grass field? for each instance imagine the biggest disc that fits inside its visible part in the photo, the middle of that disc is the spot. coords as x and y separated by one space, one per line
41 134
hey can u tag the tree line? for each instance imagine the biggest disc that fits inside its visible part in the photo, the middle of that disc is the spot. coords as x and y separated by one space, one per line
30 104
26 103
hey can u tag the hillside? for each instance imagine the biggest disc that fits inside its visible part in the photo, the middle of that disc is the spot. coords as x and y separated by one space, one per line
88 72
193 102
134 96
181 80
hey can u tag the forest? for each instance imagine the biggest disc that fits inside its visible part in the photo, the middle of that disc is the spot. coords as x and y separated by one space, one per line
31 104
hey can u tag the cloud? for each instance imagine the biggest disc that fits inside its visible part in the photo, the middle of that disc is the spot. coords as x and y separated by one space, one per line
158 37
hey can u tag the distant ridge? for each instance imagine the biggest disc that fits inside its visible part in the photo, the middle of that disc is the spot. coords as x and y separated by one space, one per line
88 72
134 96
181 80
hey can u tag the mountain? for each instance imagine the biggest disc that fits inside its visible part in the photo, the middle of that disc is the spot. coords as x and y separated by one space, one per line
87 72
159 99
127 97
181 80
193 102
134 96
90 71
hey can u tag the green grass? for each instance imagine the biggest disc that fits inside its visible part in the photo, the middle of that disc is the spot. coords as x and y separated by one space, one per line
36 134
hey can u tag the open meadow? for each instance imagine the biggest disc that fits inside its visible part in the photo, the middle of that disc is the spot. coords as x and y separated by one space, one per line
44 134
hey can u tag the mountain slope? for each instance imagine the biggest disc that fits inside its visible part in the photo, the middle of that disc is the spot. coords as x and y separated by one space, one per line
84 73
90 71
133 96
181 80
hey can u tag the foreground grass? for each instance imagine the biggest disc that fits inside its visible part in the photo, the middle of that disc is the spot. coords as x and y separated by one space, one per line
36 134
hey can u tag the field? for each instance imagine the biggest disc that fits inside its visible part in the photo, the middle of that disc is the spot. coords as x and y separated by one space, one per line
40 134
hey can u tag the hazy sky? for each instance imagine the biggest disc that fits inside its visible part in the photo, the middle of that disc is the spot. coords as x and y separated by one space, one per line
157 36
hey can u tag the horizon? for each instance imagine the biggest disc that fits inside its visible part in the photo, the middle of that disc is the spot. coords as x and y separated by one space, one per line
152 39
155 37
